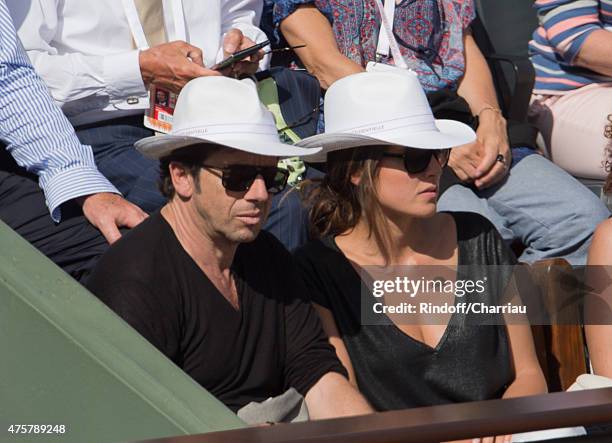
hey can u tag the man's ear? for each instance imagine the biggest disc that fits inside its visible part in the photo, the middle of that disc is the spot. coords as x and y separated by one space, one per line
182 181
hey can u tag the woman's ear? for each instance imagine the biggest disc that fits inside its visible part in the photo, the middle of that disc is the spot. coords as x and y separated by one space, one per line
182 181
356 177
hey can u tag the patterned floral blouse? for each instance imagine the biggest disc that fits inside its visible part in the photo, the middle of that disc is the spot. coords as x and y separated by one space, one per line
429 33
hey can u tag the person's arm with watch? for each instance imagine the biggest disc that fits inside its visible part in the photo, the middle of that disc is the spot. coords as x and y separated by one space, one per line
486 161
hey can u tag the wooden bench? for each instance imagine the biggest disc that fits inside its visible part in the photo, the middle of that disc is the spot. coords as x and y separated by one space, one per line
560 345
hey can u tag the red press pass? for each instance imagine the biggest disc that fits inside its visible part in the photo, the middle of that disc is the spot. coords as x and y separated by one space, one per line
161 110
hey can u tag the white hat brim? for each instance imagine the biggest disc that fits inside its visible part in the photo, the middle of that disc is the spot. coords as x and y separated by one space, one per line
450 134
160 146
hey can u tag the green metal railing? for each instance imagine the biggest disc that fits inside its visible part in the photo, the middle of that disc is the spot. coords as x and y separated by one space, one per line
66 359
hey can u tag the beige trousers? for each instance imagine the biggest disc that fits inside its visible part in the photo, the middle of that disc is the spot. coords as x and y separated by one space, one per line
577 128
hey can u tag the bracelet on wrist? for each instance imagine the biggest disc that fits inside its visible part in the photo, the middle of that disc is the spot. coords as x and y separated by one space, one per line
489 108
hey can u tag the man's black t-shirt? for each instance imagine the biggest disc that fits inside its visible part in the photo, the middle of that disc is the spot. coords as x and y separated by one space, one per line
273 342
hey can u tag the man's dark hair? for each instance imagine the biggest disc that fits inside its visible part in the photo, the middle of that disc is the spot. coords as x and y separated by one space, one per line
192 158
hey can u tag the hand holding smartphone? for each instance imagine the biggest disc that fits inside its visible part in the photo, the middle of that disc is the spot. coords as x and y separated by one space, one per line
240 55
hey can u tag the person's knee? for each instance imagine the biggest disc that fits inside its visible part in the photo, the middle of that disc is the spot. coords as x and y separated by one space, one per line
580 221
571 237
590 212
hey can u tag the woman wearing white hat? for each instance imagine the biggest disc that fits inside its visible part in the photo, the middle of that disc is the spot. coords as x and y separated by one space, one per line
528 198
376 206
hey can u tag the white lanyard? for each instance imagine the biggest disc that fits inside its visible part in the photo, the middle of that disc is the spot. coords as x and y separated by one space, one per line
386 39
175 28
383 40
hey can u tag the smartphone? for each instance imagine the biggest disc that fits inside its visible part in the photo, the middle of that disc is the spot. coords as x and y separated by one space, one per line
240 55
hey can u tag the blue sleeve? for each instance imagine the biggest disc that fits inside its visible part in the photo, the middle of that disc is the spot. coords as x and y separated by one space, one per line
36 132
277 10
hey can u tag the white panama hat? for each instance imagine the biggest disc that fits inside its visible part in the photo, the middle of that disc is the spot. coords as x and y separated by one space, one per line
386 108
225 112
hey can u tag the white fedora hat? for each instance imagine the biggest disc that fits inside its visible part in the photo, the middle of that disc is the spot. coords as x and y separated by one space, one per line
225 112
383 109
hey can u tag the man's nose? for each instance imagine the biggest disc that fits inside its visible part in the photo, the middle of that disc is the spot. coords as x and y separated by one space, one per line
258 190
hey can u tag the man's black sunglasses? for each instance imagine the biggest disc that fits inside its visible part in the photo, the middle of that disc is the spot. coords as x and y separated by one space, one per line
417 160
239 178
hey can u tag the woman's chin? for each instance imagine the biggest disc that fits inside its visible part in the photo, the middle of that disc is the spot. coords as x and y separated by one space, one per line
426 210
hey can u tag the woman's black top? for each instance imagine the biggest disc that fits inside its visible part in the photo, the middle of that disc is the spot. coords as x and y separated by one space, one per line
395 371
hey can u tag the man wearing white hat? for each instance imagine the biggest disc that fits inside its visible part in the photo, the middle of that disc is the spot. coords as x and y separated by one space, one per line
202 283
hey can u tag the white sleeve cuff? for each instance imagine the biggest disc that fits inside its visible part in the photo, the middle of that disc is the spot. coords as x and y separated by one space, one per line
72 183
122 75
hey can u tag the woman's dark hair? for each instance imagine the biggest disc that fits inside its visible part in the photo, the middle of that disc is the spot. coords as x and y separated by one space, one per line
337 204
192 158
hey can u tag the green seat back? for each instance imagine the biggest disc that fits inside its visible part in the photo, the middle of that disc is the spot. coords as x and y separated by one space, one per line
66 359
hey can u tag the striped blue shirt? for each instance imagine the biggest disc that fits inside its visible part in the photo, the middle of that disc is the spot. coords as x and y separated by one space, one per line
564 27
36 132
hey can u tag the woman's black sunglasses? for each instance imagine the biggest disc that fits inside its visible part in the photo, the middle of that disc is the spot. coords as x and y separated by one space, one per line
417 160
239 178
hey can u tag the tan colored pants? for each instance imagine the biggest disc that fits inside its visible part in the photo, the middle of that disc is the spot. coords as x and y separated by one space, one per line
574 127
